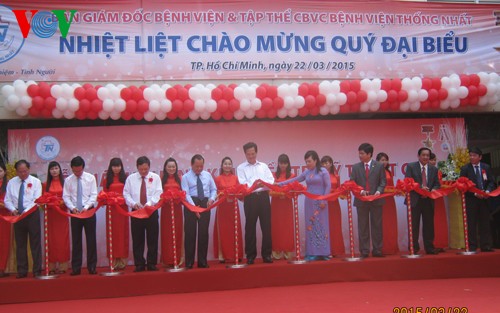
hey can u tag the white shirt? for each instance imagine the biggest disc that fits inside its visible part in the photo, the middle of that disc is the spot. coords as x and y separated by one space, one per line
32 191
132 190
249 173
89 191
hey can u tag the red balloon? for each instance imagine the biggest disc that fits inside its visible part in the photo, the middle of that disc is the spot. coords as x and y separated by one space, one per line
351 97
261 92
392 96
142 107
87 86
222 106
481 90
221 86
304 89
183 115
474 79
127 116
278 103
84 106
345 87
216 115
233 86
473 93
177 105
90 94
384 106
272 113
425 105
137 95
314 89
272 91
355 85
310 102
395 106
314 111
234 105
443 93
228 115
267 104
345 108
80 115
33 90
228 94
464 80
33 111
38 103
355 107
435 104
474 101
320 100
172 115
79 93
138 116
142 87
188 86
362 96
396 84
50 103
188 105
261 114
402 95
433 94
46 113
426 83
216 94
126 94
92 115
386 84
171 94
131 107
464 102
303 112
44 90
96 106
436 83
182 94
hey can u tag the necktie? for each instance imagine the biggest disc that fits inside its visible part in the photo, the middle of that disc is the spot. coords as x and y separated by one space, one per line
479 178
367 173
20 199
144 197
79 194
424 177
199 187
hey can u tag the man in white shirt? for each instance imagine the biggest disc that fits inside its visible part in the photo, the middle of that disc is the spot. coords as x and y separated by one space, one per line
257 204
22 191
143 188
79 195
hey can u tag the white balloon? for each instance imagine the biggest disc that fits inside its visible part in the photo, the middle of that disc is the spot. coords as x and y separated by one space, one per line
117 115
26 102
381 96
120 105
483 101
324 110
250 114
149 116
445 82
13 101
22 111
199 105
376 84
103 115
282 113
364 107
114 93
293 112
445 104
62 104
154 106
491 89
56 91
483 77
452 93
69 114
289 103
21 90
375 106
412 96
341 98
406 83
493 100
299 102
161 116
205 115
336 86
335 109
416 82
239 115
206 94
211 106
103 93
245 105
8 90
67 91
73 104
366 84
331 99
455 103
422 95
166 106
455 80
239 93
194 93
194 115
108 105
283 90
255 104
324 87
415 106
57 113
372 96
405 106
463 92
18 82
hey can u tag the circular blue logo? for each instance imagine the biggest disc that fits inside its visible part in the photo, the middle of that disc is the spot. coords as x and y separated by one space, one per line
48 148
11 38
44 24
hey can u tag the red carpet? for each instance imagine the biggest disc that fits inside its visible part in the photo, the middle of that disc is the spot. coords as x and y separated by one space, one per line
217 277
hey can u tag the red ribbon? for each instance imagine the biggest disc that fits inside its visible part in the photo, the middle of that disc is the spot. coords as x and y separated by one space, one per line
14 219
175 195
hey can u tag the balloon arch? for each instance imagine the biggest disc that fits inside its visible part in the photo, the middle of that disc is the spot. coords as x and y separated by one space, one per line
238 101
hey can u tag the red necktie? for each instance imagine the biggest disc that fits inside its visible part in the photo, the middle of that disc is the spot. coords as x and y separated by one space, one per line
424 177
144 197
367 172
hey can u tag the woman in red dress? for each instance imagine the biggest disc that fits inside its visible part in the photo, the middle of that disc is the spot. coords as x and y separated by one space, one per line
282 229
440 218
58 224
224 236
5 227
171 180
334 212
115 182
389 212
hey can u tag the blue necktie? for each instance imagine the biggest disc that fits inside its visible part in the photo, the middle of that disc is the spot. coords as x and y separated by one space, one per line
20 199
479 178
79 195
199 187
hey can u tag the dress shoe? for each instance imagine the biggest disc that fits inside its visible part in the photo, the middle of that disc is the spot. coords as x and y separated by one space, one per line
378 255
433 251
92 271
267 259
139 268
36 274
21 275
310 258
189 266
75 273
487 250
202 265
250 261
364 255
3 274
152 268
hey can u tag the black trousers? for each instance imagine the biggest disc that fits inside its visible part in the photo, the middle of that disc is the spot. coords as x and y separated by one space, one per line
478 223
192 226
370 225
257 207
29 227
77 225
145 229
424 209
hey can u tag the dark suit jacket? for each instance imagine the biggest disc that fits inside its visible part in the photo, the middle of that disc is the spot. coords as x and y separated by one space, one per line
376 179
413 170
488 184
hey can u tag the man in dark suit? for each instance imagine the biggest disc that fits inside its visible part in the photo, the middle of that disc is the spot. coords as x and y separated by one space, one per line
426 175
370 175
478 213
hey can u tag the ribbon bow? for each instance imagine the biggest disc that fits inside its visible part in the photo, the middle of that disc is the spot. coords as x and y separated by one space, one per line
110 198
175 195
407 185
